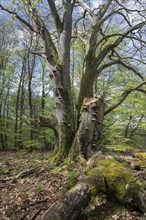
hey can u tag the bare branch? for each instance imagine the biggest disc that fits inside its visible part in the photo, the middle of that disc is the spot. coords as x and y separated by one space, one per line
50 49
96 28
55 15
142 90
38 53
103 9
123 97
86 8
19 18
131 68
110 47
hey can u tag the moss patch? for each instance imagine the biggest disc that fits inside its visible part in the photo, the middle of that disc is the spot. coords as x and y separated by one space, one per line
118 179
141 155
141 163
96 181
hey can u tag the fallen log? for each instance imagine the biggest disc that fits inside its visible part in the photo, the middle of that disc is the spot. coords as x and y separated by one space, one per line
70 205
103 174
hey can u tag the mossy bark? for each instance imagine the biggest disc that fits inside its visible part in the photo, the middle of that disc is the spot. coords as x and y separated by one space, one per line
69 206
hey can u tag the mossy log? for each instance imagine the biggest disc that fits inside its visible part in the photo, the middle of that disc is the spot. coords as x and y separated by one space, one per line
119 181
103 174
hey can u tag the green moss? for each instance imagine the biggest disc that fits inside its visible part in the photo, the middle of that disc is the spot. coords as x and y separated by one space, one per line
119 147
141 155
72 178
141 163
82 160
118 178
5 170
96 181
56 171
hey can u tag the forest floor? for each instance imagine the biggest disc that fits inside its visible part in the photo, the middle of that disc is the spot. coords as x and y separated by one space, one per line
29 185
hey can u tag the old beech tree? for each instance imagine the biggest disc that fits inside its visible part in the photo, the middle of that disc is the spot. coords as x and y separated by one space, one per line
65 21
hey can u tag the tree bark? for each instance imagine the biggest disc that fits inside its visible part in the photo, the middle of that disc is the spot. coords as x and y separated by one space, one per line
69 207
89 131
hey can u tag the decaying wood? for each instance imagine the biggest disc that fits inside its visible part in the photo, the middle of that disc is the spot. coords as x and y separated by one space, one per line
69 207
89 130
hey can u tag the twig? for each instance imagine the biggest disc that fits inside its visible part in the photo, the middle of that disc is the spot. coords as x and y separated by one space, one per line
19 175
36 214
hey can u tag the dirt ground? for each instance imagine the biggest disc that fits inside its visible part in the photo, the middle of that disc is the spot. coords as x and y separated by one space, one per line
29 185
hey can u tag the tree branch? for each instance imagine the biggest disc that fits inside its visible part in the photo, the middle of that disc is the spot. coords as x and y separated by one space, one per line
46 122
123 97
86 8
110 47
123 64
50 49
134 129
55 15
131 68
142 90
97 22
19 18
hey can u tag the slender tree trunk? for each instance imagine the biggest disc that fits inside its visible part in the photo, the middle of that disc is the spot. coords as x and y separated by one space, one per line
6 115
22 99
17 118
43 104
31 65
43 91
1 128
2 99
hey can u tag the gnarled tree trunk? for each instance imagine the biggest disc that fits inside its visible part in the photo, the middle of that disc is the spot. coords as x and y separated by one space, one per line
89 131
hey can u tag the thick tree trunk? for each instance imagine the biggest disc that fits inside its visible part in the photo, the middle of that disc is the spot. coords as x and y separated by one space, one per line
87 81
89 131
63 111
60 73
